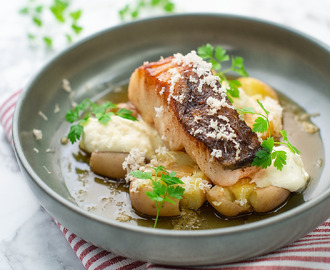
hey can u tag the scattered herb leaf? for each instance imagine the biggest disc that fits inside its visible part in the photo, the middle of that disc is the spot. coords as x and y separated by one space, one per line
62 14
165 187
133 11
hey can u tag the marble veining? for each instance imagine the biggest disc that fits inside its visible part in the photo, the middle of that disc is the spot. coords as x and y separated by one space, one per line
29 238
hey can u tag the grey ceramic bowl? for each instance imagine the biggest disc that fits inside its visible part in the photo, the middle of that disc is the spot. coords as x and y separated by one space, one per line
291 62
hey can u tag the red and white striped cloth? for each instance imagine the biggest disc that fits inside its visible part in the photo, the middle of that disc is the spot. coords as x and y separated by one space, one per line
310 252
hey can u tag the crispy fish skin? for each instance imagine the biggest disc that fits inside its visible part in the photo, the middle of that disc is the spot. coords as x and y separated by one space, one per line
196 116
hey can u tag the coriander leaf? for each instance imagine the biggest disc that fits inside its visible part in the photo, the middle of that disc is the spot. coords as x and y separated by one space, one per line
205 51
260 125
268 144
238 66
154 196
170 180
126 114
101 109
263 159
221 55
232 90
168 199
175 192
75 132
291 147
279 159
104 118
246 110
141 175
71 116
263 108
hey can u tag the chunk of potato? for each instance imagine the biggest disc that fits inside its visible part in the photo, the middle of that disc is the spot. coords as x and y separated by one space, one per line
194 195
244 197
108 164
253 87
231 201
142 203
268 198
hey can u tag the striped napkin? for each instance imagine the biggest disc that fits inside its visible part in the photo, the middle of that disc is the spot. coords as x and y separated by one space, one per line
310 252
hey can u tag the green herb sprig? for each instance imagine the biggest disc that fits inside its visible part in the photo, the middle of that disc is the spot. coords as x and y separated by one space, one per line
267 154
165 187
216 56
86 109
62 13
133 11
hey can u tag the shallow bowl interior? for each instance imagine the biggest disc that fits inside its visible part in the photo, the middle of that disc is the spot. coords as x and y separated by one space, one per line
294 64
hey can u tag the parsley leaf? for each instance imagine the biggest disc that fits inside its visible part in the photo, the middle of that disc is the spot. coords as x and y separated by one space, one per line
279 158
165 187
87 108
75 132
267 154
216 56
263 159
260 125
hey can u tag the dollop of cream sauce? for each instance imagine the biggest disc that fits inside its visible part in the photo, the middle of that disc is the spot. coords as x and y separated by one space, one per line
292 177
120 135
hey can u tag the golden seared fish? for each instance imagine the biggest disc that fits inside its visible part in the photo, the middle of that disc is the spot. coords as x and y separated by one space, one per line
181 97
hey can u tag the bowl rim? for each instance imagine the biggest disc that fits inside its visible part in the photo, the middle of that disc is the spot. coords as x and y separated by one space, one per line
146 230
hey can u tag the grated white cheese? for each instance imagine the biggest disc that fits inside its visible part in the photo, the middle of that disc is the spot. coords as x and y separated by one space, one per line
159 111
56 108
66 85
134 160
161 92
43 115
37 134
216 153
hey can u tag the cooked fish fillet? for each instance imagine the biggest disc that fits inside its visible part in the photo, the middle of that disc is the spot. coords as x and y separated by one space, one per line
190 110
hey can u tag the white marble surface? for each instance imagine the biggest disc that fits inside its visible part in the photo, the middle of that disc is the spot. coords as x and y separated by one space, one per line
29 239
